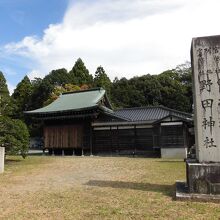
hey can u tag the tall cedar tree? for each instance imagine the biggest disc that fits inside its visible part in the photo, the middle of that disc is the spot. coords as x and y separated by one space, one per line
14 134
102 80
80 74
5 99
21 97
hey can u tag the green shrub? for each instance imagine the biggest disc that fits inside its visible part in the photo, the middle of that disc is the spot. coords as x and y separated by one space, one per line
14 136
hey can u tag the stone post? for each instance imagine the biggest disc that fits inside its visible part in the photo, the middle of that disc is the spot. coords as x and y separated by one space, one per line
205 53
203 174
2 159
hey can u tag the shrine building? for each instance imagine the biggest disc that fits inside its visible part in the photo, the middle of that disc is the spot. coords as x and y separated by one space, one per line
85 123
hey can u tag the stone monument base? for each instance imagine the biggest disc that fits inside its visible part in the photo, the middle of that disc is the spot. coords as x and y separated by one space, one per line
183 194
203 182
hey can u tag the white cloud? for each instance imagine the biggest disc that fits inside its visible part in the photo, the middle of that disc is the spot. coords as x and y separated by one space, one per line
10 88
103 11
127 39
35 74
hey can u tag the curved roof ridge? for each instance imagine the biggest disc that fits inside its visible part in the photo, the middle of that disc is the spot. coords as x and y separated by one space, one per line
84 90
140 107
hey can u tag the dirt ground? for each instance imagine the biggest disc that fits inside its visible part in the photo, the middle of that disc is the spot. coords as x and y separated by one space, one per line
42 187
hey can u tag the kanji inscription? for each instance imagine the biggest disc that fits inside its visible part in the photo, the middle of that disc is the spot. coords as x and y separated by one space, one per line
205 54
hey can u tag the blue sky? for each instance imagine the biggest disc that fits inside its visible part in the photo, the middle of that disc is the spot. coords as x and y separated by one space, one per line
127 37
20 18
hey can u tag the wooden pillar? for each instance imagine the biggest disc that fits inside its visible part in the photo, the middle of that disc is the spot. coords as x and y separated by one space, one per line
82 147
160 138
153 134
184 136
111 138
62 152
117 140
91 137
135 139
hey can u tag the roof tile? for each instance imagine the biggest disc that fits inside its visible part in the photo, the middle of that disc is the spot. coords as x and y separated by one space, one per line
73 101
150 113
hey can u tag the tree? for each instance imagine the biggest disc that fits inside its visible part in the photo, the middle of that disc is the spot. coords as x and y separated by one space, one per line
21 97
185 73
58 77
58 90
14 136
120 93
71 88
149 90
136 92
41 92
80 74
102 80
173 92
5 100
43 88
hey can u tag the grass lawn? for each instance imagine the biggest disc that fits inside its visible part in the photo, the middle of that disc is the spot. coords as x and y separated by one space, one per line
42 187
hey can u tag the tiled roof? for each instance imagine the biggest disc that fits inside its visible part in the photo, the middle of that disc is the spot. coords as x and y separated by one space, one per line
150 113
73 101
90 99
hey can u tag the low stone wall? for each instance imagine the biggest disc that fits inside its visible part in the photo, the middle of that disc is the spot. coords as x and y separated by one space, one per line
2 159
175 153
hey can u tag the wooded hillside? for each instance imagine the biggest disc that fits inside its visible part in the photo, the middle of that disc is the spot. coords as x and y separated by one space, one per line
171 88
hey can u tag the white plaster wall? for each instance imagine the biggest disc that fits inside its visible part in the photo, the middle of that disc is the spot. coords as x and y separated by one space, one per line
175 153
2 159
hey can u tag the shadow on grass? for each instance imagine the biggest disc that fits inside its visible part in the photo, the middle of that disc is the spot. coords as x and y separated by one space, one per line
128 155
9 161
170 161
167 190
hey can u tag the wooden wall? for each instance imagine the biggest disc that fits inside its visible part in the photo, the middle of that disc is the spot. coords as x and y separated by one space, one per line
116 139
63 136
172 136
79 134
138 139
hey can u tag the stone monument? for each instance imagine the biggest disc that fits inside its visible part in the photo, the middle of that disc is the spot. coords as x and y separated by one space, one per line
203 173
2 159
